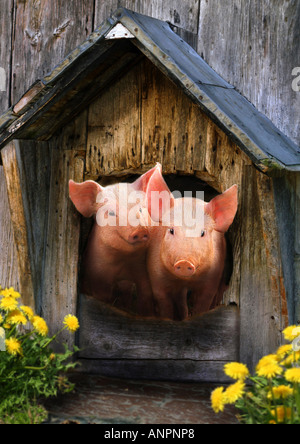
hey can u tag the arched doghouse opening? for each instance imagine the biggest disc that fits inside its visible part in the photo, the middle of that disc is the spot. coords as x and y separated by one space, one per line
184 185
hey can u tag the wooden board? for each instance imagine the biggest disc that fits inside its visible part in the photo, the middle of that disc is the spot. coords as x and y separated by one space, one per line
6 23
8 259
45 32
109 334
244 46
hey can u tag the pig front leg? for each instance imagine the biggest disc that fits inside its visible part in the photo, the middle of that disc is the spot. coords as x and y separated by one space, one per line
145 300
163 304
202 301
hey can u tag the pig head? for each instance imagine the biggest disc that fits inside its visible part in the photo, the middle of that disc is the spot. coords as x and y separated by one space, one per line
186 261
115 257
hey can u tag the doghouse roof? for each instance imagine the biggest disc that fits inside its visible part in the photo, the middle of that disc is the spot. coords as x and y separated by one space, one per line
119 43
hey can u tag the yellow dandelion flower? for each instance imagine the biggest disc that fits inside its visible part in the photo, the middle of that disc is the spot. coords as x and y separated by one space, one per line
13 346
270 371
293 375
40 325
8 303
291 359
282 413
16 317
52 357
291 333
284 350
235 370
282 391
71 322
27 311
10 292
1 318
218 400
234 392
266 360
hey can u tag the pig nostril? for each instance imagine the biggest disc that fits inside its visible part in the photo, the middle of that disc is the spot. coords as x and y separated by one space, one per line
135 237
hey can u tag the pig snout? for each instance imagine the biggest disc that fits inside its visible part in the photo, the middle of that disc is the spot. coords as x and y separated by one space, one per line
140 235
184 268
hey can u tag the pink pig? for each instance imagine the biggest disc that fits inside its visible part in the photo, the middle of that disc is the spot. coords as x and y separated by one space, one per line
178 263
116 253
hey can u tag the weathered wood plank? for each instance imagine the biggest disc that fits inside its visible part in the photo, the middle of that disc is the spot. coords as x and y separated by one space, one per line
110 334
297 248
259 328
18 218
187 370
6 24
273 254
34 163
244 46
45 32
182 14
114 128
62 241
8 257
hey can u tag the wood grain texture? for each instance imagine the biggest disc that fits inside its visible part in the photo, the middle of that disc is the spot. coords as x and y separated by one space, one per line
107 333
62 242
187 370
255 46
45 32
34 164
18 218
7 26
261 320
181 14
8 258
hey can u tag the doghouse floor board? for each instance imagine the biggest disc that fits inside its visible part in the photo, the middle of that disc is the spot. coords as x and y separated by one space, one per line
100 400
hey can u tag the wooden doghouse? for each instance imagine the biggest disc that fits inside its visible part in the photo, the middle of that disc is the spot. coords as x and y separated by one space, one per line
133 94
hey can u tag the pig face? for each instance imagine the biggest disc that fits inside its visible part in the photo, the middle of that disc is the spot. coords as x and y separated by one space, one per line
192 241
122 218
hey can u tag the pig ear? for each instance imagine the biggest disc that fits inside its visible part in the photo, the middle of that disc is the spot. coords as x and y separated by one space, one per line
141 183
84 196
158 196
223 209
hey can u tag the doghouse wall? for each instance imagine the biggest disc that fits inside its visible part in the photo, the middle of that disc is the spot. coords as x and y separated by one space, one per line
143 118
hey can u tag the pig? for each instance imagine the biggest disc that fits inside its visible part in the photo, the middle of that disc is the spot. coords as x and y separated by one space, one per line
115 256
181 265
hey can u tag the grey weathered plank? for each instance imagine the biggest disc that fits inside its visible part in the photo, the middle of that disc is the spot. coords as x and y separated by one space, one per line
187 370
19 223
107 333
45 32
244 45
260 314
182 14
34 164
62 242
6 24
8 257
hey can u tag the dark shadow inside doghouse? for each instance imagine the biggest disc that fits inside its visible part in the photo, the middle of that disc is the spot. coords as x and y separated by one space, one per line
176 183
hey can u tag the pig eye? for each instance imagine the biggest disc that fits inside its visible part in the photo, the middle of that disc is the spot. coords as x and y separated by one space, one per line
140 210
202 233
172 231
112 213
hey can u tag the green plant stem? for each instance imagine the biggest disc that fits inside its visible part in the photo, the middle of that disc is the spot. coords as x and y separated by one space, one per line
54 337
